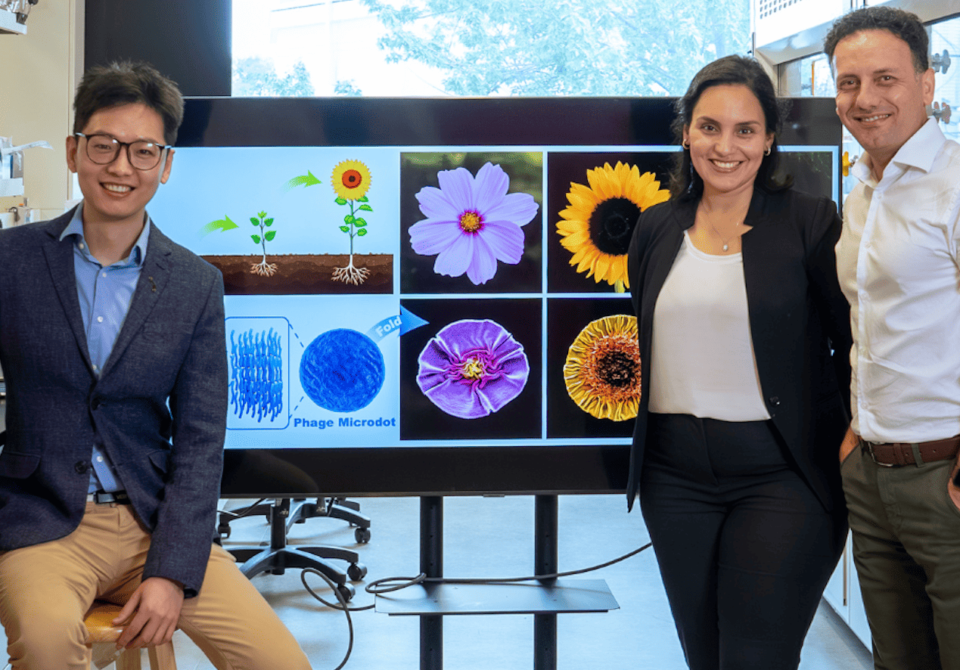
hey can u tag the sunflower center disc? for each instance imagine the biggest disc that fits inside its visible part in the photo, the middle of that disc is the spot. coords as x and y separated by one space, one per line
616 369
351 178
611 225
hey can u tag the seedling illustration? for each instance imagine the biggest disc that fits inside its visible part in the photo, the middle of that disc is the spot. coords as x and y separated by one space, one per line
350 181
263 268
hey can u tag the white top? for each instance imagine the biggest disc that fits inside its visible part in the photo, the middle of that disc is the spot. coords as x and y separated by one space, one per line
897 260
702 360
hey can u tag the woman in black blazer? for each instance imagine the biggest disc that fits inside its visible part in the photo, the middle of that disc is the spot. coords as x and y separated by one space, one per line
743 400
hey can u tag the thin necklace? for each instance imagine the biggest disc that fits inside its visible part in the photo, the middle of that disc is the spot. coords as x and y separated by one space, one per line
726 243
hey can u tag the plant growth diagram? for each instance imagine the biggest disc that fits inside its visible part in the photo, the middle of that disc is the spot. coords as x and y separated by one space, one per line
350 181
275 270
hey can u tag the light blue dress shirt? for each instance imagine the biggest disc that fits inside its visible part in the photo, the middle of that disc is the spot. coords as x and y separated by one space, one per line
105 294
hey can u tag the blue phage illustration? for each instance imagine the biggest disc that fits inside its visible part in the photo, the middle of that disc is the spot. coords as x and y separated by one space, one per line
256 374
342 370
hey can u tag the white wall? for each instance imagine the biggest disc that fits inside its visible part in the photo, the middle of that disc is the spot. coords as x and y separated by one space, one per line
38 74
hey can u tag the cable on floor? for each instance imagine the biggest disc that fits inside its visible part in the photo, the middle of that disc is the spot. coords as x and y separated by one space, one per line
391 584
342 606
387 585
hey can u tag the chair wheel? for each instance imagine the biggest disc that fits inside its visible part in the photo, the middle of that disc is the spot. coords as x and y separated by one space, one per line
346 592
356 572
362 535
224 530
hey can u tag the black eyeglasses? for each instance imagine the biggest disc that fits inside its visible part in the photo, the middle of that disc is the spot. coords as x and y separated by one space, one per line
143 155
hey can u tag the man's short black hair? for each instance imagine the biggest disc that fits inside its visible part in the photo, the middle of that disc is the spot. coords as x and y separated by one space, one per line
126 83
899 23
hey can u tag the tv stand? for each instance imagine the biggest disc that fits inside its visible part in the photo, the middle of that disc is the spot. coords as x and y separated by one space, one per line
544 599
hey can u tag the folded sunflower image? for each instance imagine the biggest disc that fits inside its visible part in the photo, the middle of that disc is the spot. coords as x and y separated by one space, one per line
472 368
597 225
602 370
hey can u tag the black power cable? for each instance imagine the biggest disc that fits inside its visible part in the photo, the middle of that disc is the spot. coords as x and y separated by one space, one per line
391 584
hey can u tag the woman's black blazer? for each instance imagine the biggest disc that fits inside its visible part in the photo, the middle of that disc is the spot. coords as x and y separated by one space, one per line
798 317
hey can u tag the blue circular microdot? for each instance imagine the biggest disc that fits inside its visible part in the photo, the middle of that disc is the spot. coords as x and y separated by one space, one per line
342 370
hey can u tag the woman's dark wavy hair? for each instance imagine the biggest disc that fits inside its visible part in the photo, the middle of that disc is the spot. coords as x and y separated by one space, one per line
127 83
685 183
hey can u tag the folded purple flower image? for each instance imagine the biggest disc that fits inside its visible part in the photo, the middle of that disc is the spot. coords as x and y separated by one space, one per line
472 222
472 368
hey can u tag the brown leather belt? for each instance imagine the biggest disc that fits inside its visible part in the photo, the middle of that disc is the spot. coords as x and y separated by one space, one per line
895 454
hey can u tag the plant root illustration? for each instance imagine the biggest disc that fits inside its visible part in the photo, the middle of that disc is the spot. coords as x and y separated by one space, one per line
602 370
304 274
471 368
342 370
350 274
256 374
598 224
472 222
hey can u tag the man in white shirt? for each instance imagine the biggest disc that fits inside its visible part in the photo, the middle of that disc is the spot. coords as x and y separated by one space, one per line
899 267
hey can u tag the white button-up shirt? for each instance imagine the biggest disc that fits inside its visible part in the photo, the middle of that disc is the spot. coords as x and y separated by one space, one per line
899 267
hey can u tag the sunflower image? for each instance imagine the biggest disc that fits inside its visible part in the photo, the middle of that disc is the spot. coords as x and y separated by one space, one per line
599 221
602 370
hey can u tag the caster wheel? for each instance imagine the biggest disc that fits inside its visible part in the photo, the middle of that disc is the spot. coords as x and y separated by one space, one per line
362 535
346 591
224 531
356 572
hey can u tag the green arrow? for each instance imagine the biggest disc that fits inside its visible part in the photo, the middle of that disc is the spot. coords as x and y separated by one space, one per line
302 180
222 225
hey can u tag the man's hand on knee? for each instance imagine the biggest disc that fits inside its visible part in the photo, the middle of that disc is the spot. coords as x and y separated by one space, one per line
150 616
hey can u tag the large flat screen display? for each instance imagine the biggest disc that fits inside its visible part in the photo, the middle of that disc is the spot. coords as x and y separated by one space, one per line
430 296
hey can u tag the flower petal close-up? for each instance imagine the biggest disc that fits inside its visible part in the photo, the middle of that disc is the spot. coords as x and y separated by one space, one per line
472 222
599 221
350 180
602 370
472 368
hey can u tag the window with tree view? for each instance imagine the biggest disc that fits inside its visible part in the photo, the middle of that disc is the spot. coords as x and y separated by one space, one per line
413 48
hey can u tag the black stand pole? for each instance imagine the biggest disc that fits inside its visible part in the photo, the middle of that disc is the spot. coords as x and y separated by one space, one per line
545 563
431 564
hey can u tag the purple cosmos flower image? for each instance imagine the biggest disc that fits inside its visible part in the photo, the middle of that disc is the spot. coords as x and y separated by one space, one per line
472 368
472 222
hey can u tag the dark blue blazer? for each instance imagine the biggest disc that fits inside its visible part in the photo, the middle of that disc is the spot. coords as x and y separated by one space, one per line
797 312
158 407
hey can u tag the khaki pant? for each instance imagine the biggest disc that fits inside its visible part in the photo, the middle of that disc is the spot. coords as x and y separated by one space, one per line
46 589
906 545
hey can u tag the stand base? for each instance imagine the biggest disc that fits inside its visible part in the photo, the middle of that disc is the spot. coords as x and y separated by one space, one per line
550 597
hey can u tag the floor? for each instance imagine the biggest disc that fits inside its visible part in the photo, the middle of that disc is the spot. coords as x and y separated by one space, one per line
492 537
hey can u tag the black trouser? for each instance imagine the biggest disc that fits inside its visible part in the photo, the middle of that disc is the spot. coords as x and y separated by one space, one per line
745 548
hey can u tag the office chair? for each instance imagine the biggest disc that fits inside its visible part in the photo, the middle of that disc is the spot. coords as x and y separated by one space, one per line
278 556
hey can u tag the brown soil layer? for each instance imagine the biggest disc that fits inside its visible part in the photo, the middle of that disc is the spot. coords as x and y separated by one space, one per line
299 275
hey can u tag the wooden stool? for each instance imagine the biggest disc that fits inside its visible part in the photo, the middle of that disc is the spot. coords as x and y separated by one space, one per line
104 636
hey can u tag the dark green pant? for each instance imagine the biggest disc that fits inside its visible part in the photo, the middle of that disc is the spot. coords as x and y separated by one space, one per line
906 545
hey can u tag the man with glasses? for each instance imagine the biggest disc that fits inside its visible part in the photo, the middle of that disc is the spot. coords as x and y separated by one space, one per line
112 344
899 259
